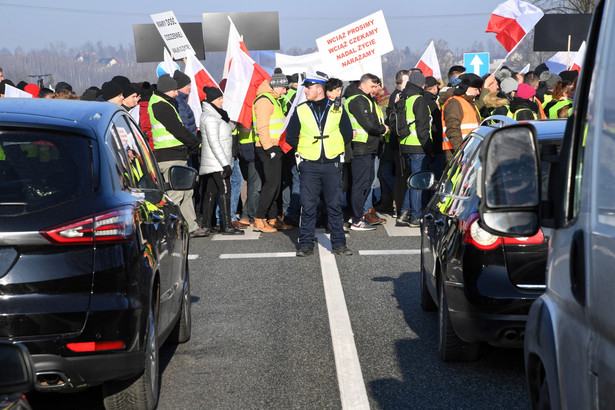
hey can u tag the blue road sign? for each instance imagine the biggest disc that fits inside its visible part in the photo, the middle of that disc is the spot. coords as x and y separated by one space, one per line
477 63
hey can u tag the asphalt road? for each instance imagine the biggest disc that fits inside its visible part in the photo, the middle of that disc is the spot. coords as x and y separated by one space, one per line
273 333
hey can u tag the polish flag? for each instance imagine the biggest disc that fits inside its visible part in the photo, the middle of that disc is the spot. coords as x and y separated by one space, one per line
578 59
199 78
428 63
560 61
243 79
512 20
169 65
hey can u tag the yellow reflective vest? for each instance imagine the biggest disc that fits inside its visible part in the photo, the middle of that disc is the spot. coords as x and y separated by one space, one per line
413 138
276 121
162 138
361 133
312 141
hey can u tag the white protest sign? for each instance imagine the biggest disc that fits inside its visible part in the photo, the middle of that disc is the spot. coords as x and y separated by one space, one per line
172 34
14 92
351 45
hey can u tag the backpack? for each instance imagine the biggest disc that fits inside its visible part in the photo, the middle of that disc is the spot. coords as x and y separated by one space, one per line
398 122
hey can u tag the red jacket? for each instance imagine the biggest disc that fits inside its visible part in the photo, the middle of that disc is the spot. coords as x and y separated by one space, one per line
146 125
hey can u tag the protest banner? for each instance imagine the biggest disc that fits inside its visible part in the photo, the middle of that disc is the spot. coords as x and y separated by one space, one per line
172 34
352 45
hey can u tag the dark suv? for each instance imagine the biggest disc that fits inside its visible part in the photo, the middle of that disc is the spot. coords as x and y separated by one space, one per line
93 253
481 284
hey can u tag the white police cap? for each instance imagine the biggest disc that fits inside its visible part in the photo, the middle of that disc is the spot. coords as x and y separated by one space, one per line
315 78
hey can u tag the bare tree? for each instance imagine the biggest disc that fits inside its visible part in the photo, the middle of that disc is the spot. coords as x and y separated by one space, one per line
566 6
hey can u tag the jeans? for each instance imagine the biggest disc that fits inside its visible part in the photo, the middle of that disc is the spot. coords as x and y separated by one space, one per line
369 201
416 163
254 188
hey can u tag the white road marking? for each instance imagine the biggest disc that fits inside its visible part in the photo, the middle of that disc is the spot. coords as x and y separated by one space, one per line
349 376
390 252
256 255
192 257
393 230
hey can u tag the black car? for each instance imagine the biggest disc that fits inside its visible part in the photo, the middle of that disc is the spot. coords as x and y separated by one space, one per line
93 253
482 285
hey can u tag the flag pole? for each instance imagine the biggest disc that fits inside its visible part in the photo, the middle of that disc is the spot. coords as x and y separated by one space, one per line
509 53
568 53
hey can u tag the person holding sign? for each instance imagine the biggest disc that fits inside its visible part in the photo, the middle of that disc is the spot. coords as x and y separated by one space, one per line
369 129
319 129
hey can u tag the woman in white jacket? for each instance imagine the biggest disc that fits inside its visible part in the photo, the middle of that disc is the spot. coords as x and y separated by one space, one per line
216 161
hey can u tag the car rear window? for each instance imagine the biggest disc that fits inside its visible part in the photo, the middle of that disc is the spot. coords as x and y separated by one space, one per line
41 169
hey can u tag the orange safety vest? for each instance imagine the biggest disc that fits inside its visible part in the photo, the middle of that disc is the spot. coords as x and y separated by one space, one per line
470 120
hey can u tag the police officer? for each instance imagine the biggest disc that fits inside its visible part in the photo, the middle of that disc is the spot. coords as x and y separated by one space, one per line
319 129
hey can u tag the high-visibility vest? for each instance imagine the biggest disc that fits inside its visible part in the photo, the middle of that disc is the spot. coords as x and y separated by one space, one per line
548 98
162 138
412 138
361 133
556 107
2 155
245 135
470 120
287 97
513 115
310 136
276 121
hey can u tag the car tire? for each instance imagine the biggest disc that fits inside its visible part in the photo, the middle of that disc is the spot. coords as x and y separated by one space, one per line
141 392
427 302
451 348
183 327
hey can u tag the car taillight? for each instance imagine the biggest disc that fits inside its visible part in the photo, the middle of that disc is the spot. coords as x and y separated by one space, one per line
115 225
96 346
483 240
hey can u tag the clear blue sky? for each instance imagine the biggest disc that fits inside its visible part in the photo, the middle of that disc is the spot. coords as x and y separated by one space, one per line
32 24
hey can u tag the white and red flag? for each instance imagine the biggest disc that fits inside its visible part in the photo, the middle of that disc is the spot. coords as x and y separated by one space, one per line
243 79
428 63
578 59
200 78
512 20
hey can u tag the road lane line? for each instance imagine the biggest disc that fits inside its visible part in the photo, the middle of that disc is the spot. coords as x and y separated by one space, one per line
257 255
393 230
390 252
192 257
349 376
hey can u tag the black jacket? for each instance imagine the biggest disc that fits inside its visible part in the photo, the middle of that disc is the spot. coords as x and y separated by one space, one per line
422 122
368 119
167 115
518 103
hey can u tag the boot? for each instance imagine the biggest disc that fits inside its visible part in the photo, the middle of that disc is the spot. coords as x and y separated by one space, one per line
373 218
227 227
262 226
403 219
278 224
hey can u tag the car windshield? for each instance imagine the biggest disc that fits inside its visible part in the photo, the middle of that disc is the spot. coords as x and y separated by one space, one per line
41 169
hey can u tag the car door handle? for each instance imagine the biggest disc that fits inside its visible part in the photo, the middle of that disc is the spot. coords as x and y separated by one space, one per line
577 267
439 222
429 217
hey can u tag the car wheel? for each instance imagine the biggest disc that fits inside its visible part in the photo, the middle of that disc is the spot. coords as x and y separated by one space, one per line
450 346
143 391
183 327
427 302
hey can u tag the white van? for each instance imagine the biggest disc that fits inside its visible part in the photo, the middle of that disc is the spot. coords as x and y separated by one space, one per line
570 333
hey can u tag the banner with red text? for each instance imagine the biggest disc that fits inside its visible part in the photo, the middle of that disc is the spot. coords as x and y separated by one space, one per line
352 45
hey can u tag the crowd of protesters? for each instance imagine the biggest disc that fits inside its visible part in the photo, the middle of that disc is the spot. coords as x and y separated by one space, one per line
342 167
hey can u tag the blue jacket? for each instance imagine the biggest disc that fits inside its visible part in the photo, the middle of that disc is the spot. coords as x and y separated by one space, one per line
185 112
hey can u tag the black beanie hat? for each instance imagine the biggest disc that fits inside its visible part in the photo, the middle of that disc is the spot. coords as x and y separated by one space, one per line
212 93
166 83
64 86
110 90
181 78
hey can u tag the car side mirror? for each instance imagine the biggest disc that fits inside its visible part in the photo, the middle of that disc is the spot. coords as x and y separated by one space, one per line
422 180
17 375
181 178
509 182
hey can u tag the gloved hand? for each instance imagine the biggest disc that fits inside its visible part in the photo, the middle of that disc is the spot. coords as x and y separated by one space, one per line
227 171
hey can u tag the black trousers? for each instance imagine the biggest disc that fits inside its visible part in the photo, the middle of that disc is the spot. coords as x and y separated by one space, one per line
214 185
269 167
